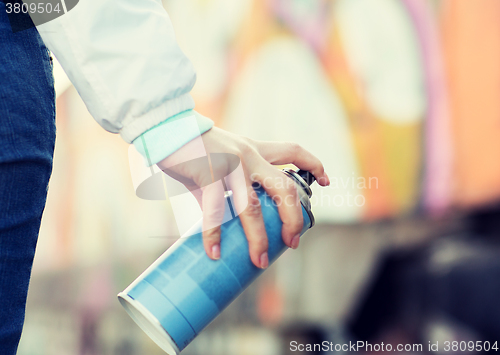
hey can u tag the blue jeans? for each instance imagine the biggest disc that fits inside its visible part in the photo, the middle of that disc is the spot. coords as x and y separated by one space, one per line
27 136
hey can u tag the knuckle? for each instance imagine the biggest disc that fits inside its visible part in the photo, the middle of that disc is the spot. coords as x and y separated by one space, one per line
277 200
295 225
290 185
211 235
253 198
321 169
253 209
255 177
245 150
259 244
291 189
294 147
249 141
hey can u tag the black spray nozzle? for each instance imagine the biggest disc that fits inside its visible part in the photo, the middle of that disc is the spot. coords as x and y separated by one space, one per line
307 176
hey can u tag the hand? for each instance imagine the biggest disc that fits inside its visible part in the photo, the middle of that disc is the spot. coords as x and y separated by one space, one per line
198 171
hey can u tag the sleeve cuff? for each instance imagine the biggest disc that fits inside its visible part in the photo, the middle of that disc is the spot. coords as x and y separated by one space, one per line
165 138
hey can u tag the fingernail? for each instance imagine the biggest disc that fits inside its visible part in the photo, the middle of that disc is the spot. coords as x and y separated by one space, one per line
295 241
264 260
327 180
216 251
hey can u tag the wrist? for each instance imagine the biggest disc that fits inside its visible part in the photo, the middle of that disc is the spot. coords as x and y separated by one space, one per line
169 136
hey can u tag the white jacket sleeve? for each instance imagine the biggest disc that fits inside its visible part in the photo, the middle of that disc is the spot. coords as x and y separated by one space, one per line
123 59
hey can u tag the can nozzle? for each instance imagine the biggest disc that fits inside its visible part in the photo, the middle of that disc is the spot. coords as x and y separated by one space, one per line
307 176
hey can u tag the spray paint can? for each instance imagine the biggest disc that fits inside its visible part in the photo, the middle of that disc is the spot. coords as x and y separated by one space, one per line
175 298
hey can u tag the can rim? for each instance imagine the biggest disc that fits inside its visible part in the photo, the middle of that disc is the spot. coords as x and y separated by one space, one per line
148 323
304 195
299 178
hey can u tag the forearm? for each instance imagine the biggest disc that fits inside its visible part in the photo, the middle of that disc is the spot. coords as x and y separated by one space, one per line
124 61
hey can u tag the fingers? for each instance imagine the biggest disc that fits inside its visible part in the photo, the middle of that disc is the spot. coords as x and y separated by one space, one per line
255 159
247 205
284 194
278 153
213 206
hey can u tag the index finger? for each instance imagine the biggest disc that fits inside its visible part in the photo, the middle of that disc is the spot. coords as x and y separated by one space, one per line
278 153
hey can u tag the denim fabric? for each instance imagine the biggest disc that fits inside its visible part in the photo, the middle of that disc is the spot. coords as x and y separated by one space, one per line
27 136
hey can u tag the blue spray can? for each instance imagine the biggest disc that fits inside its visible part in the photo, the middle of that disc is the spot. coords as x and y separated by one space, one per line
175 298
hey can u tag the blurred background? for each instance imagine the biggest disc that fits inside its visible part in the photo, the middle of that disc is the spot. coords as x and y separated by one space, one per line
398 98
